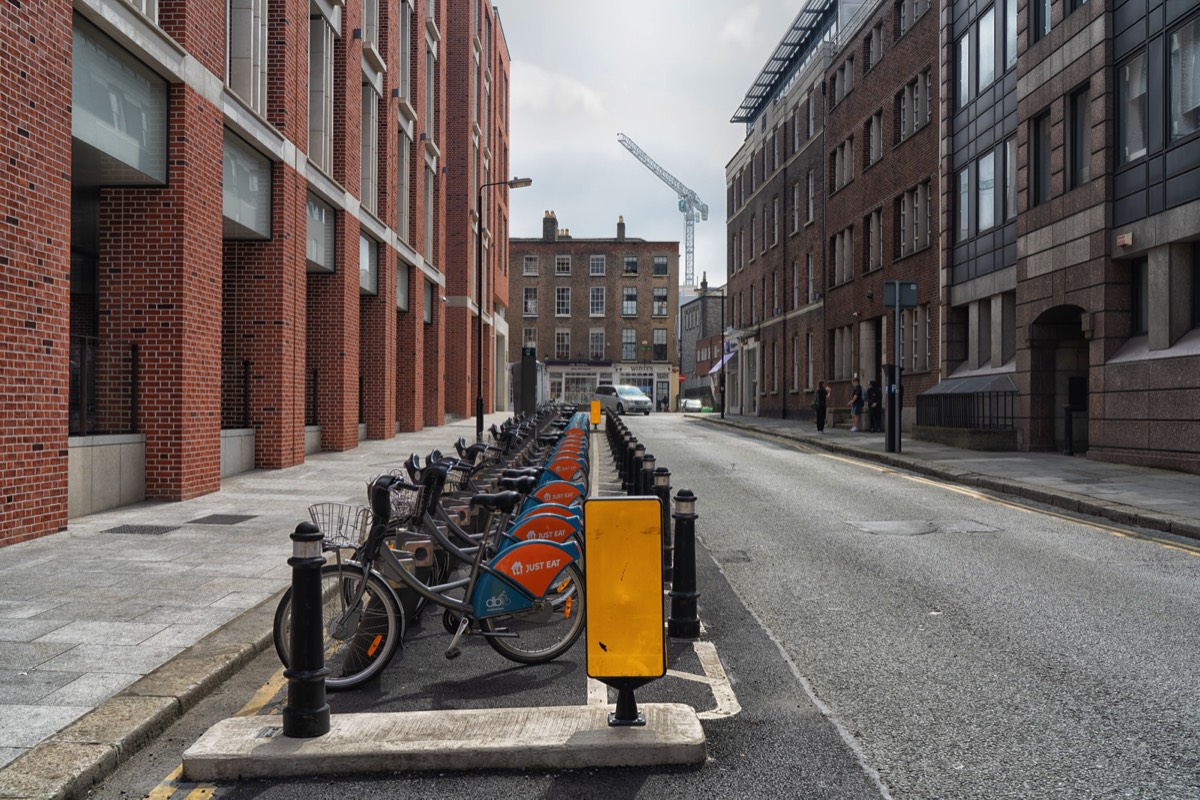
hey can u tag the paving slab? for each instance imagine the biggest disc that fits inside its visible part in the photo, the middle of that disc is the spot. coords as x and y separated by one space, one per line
504 738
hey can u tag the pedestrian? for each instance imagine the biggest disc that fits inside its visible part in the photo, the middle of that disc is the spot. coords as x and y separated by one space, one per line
821 405
874 408
856 404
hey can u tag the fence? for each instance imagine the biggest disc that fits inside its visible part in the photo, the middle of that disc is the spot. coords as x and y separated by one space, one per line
980 411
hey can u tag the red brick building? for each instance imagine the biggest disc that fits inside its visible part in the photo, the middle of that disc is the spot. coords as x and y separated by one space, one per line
179 298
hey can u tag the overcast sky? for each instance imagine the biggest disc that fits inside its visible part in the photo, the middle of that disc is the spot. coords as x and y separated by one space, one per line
668 74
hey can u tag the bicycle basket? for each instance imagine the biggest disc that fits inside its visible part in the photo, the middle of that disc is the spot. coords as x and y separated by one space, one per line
406 501
456 478
344 526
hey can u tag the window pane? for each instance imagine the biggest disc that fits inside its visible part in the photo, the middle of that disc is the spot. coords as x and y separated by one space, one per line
1010 34
1131 109
1041 159
1185 80
964 192
987 48
964 70
1010 178
987 191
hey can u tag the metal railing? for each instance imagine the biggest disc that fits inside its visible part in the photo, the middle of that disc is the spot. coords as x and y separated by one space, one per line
103 387
310 399
980 411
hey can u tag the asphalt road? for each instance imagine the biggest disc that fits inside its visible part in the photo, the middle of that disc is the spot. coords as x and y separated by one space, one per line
884 636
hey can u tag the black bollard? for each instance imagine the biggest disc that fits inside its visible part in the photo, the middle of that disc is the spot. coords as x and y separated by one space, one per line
662 489
1068 432
635 476
306 714
684 622
646 476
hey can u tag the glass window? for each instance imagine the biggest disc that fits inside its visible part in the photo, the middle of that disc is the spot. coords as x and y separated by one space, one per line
596 301
1079 150
319 236
562 301
596 265
1040 10
658 305
986 184
320 93
965 84
660 344
660 265
245 191
596 344
368 265
987 48
1010 34
1184 55
401 285
964 206
430 294
368 161
628 344
530 266
562 265
1040 179
562 345
246 71
630 265
529 307
1131 109
629 301
1010 178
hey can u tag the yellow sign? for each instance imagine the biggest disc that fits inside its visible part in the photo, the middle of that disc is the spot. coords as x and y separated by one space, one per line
594 417
624 588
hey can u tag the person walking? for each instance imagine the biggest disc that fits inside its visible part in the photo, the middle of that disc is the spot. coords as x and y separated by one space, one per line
821 405
856 404
874 408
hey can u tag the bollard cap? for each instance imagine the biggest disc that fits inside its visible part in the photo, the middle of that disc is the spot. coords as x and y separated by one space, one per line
662 478
639 449
306 532
685 502
648 462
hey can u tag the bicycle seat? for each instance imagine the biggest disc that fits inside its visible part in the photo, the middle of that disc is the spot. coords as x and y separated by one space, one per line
521 472
523 484
500 501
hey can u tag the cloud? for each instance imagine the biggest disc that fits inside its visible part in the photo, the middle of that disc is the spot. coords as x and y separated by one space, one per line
537 91
739 28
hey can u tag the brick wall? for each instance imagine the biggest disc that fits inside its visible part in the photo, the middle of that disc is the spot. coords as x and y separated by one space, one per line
34 269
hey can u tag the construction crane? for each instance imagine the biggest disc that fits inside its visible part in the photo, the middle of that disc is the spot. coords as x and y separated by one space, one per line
690 205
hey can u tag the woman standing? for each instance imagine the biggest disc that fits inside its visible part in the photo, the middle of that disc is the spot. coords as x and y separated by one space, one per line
856 404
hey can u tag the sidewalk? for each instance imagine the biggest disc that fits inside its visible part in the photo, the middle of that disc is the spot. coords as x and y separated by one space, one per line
1156 499
111 629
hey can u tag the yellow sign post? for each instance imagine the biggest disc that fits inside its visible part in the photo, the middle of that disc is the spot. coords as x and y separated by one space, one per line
594 415
626 637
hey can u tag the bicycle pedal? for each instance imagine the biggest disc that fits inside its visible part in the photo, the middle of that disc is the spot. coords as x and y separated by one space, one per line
453 653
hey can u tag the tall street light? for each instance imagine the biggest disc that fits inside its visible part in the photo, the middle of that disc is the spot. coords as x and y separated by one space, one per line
513 183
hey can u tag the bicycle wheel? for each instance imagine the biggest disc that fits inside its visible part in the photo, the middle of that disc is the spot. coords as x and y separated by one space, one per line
361 632
546 631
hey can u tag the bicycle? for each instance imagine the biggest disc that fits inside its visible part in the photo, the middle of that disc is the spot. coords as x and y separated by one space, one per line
526 601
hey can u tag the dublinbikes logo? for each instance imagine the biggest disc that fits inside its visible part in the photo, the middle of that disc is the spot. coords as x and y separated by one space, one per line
498 601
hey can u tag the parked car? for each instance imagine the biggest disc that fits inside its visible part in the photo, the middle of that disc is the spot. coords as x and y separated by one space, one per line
689 404
622 398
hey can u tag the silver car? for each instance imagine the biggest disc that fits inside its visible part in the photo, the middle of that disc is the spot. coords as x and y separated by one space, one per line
622 398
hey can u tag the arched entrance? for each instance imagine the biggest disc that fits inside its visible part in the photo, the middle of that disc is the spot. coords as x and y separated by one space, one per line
1058 375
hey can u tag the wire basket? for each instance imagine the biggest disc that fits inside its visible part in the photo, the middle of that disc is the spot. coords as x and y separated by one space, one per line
456 477
344 526
405 500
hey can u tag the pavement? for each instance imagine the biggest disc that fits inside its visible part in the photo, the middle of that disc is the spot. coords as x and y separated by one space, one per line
112 629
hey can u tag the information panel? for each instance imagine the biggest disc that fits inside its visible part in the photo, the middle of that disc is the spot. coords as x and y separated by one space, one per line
626 637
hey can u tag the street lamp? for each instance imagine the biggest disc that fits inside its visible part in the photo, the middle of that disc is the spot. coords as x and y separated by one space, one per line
513 183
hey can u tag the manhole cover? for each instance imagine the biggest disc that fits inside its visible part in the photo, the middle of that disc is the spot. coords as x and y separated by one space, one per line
966 526
902 527
222 519
145 530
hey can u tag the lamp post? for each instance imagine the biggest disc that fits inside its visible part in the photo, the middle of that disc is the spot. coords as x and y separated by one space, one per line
513 183
724 294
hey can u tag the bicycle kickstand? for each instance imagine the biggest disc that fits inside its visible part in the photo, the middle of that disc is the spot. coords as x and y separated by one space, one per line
454 651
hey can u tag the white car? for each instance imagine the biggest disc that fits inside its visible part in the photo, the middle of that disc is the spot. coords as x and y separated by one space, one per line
689 404
621 398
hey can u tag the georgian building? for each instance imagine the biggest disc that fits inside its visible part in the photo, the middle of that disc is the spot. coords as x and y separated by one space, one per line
597 311
228 243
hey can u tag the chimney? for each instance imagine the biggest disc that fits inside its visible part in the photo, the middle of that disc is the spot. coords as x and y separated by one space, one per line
550 227
703 283
621 229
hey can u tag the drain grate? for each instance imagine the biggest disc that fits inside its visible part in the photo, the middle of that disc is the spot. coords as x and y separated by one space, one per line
222 519
144 530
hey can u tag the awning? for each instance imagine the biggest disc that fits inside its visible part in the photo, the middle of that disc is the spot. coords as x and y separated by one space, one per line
717 367
973 384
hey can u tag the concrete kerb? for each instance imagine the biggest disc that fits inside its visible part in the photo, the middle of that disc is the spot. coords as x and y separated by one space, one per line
1067 501
70 762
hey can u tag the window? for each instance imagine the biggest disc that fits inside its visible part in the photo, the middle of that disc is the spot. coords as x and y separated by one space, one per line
596 344
1196 285
405 51
913 106
842 81
369 149
429 213
631 265
874 134
873 224
596 301
842 164
873 46
562 301
963 231
753 230
914 218
530 266
661 268
247 52
430 294
843 352
1184 58
987 48
1131 109
596 265
1079 153
1010 178
774 222
245 190
1010 34
811 196
914 338
562 265
1040 22
658 302
401 285
841 251
1040 140
811 278
795 129
628 344
629 301
529 338
529 309
907 13
795 207
368 265
812 113
1139 310
985 191
808 349
660 344
319 244
966 87
320 93
404 185
562 345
